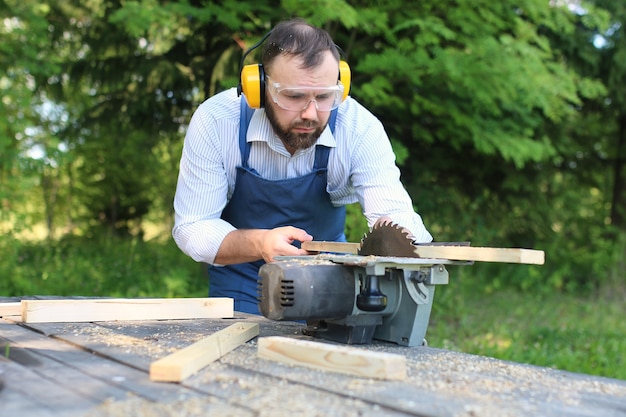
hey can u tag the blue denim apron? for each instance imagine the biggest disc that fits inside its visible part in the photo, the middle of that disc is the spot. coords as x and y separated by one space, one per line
259 203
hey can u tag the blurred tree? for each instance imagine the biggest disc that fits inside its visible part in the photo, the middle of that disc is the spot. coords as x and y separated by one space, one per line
23 61
472 90
498 111
601 137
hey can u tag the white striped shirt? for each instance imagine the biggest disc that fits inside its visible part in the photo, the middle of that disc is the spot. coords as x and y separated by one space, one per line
361 167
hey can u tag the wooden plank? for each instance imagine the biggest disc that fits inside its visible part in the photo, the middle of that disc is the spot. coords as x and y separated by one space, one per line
110 309
10 309
455 253
483 254
325 246
186 362
334 358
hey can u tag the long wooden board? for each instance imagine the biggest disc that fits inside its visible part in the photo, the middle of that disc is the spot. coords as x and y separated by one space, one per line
456 253
483 254
10 309
110 309
186 362
334 358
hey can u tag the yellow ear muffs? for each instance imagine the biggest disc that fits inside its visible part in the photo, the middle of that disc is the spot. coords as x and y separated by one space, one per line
252 78
253 85
345 76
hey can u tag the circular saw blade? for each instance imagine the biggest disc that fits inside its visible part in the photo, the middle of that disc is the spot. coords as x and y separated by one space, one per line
388 239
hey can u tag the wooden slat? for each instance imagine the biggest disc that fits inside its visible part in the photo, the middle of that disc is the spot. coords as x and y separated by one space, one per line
10 309
334 358
469 253
325 246
186 362
50 311
455 253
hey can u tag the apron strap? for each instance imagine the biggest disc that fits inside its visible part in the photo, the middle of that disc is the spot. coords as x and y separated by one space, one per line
244 121
322 152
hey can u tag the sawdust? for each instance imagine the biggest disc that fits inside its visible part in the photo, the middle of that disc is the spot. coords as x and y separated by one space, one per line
452 384
97 335
154 345
445 370
504 388
139 407
254 397
276 405
439 383
308 260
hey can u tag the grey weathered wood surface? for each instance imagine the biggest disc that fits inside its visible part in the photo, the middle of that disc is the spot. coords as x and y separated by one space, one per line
101 369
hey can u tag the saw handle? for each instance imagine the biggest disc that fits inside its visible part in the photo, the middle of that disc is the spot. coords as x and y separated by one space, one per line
371 298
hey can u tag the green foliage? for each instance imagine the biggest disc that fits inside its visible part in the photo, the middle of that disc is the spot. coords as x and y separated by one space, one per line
356 224
23 61
473 78
564 331
323 11
102 265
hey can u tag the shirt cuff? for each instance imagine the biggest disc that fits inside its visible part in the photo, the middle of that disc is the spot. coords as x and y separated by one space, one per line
202 239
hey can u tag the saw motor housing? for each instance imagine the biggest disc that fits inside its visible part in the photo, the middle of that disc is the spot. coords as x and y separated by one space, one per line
353 299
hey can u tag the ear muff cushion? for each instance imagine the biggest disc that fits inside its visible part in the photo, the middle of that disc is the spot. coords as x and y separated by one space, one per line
253 85
345 76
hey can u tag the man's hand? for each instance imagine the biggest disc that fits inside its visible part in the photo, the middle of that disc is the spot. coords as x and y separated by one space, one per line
253 244
278 242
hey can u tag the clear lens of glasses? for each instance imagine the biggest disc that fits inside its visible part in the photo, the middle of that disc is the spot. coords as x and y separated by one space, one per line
298 98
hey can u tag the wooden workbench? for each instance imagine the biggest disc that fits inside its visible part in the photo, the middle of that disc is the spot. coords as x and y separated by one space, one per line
101 369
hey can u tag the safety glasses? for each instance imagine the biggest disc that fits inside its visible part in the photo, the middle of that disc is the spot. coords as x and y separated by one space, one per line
299 98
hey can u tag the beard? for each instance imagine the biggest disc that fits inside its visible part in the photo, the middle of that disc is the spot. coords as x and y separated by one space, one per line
294 141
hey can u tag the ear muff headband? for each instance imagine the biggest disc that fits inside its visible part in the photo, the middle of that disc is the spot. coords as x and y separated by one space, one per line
252 79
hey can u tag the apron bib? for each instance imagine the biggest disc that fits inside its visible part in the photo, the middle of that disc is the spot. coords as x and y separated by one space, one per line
259 203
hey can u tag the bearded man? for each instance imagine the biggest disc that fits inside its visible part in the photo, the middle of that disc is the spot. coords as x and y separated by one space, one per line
265 170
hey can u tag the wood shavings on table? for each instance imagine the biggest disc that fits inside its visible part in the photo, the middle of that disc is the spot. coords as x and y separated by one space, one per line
139 407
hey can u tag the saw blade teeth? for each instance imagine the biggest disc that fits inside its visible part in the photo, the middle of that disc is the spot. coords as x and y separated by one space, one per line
403 230
388 239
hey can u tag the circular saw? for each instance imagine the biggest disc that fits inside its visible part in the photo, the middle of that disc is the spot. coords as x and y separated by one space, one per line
388 239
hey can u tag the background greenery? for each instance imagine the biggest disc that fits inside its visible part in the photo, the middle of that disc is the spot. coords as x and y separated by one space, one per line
508 120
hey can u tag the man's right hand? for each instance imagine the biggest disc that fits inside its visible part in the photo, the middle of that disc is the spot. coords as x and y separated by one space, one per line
279 242
248 245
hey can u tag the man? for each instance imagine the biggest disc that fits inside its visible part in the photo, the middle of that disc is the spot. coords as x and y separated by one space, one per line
253 184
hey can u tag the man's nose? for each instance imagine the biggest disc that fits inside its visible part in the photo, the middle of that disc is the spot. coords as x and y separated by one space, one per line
310 111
